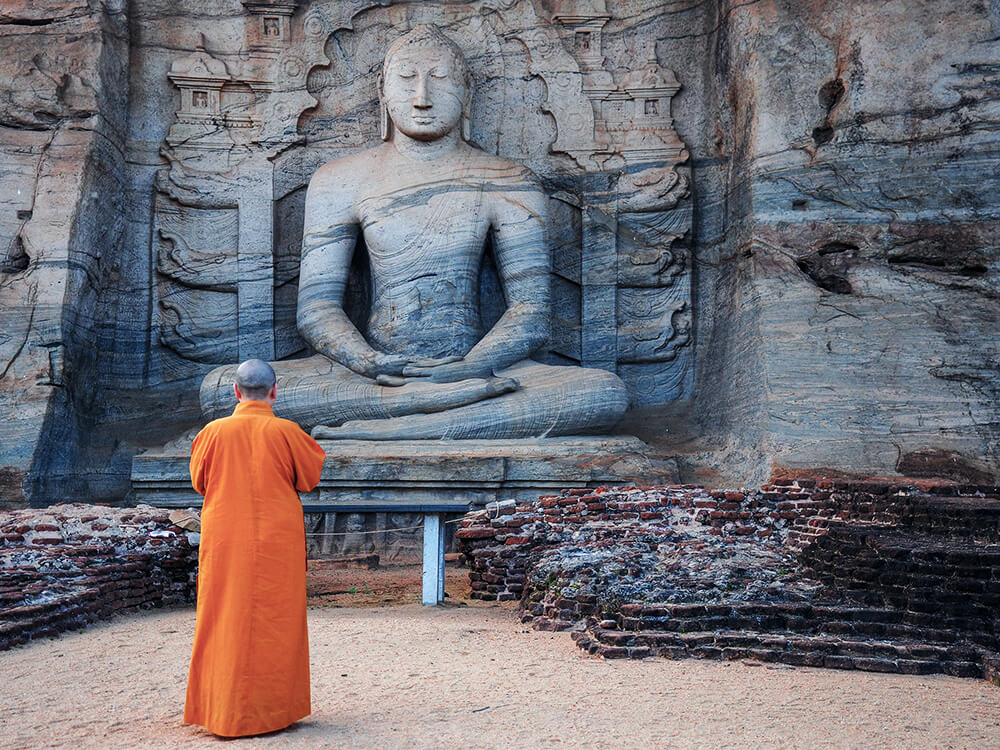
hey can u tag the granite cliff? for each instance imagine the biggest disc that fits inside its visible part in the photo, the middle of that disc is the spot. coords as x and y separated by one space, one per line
817 291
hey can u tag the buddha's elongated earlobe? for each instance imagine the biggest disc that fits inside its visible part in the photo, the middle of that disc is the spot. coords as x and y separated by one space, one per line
467 116
466 127
384 121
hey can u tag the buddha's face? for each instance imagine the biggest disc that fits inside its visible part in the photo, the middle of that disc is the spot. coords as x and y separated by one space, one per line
424 91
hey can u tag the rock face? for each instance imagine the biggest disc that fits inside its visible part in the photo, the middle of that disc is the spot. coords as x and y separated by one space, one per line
774 221
63 110
852 242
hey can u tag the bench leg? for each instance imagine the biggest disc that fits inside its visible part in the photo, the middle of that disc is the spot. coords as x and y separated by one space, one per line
440 581
433 575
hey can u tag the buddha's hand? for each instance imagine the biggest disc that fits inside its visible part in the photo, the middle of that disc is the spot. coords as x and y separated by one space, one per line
394 376
383 365
447 370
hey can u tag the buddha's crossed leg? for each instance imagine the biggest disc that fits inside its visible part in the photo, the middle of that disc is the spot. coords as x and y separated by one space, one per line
551 401
316 391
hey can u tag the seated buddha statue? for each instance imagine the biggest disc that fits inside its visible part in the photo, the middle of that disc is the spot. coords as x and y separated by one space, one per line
426 204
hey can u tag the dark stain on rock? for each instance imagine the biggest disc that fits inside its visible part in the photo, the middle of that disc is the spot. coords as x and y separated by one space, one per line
822 134
933 253
827 267
15 259
26 21
11 489
938 463
829 95
837 247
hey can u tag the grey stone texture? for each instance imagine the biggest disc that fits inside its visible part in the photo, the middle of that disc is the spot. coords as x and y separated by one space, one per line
850 314
775 221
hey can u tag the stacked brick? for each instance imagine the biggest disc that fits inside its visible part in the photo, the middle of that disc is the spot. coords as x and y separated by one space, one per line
813 506
862 575
815 635
65 566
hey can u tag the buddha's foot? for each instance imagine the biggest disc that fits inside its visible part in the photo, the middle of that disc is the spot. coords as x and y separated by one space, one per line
362 429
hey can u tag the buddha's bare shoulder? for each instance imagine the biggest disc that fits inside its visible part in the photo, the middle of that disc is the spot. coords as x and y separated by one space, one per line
349 171
499 168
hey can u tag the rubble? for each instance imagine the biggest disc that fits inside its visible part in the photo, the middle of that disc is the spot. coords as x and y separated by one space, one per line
68 565
865 575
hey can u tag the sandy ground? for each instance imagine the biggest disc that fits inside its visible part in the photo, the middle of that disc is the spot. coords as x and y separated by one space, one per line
470 675
330 585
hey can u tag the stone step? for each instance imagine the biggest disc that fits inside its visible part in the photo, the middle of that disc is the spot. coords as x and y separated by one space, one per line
812 620
905 657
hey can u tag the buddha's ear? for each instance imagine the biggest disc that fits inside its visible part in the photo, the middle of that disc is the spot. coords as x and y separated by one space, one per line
466 113
384 121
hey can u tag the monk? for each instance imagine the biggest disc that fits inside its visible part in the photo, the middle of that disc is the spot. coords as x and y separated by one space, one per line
250 663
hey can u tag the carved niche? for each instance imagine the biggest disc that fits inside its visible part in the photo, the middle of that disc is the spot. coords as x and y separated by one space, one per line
197 280
254 124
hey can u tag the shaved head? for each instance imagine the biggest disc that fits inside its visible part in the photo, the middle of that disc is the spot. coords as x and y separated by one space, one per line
255 378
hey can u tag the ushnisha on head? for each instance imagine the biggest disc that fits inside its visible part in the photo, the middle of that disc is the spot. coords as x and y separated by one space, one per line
255 381
425 88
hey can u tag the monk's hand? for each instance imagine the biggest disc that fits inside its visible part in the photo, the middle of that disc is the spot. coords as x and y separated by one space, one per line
449 371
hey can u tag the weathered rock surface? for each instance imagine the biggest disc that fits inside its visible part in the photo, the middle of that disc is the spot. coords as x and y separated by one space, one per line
849 301
63 99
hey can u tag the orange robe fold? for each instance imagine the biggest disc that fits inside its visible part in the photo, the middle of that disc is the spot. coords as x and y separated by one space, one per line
250 662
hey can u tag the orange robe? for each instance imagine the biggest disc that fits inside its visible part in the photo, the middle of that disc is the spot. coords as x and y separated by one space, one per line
250 663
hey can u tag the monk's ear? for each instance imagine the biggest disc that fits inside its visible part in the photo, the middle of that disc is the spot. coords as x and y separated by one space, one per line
236 390
273 394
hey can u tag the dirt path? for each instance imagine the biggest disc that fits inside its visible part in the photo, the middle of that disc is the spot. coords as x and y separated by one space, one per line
471 677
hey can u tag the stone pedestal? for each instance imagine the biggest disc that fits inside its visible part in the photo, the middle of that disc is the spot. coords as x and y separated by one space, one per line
423 476
374 496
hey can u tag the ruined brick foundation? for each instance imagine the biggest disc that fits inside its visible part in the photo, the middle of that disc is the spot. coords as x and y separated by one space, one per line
872 576
66 566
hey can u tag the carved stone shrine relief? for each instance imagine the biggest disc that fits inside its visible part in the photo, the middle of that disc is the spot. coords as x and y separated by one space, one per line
197 282
619 208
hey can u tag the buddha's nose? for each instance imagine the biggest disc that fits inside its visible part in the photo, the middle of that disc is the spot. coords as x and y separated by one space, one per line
420 98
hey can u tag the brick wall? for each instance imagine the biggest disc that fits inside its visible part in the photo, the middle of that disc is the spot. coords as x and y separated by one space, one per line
65 566
868 575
